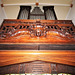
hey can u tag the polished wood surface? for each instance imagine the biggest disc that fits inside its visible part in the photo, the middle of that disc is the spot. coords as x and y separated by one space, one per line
15 57
37 46
49 40
37 67
37 31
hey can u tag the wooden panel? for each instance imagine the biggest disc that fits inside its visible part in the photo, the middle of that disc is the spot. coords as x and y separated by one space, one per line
32 46
57 47
22 68
65 69
9 69
18 47
14 57
37 67
54 68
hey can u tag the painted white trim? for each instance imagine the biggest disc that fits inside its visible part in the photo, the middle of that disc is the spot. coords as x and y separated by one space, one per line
39 4
19 4
55 4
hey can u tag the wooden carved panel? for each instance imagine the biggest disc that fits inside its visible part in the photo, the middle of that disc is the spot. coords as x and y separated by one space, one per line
53 68
39 31
37 68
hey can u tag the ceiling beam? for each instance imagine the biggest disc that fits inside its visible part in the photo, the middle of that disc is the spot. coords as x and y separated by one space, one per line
44 4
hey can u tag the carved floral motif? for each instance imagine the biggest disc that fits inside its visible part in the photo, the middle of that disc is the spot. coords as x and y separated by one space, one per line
37 28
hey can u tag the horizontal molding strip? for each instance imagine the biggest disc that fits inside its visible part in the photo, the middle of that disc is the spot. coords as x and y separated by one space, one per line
15 57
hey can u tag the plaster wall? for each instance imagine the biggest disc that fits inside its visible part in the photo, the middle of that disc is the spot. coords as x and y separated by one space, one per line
71 14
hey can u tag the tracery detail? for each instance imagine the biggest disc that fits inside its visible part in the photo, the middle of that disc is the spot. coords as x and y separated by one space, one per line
37 28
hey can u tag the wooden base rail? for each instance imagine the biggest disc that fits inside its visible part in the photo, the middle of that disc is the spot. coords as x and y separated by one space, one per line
15 57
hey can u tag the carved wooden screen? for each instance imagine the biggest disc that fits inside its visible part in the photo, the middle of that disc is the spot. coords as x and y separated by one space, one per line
49 13
53 31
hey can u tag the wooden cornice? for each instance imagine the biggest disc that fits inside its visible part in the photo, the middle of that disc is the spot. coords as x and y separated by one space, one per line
15 57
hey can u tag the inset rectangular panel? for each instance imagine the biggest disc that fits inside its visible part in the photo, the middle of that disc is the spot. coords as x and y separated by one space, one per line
56 47
37 68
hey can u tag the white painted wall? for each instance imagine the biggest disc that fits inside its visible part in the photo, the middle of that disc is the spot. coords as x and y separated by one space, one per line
71 14
12 11
2 13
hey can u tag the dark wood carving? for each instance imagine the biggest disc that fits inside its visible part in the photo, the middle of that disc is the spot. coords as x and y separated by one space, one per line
51 31
37 67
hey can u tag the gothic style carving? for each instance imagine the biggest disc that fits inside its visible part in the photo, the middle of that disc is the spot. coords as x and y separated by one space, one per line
37 29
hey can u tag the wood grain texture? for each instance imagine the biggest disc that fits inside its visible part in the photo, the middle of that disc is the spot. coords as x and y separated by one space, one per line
14 57
37 67
15 36
36 46
37 31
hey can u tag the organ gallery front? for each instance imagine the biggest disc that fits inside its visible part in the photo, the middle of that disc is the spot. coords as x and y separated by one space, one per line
37 44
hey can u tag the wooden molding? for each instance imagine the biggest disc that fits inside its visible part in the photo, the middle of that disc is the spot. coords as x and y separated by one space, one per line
15 57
